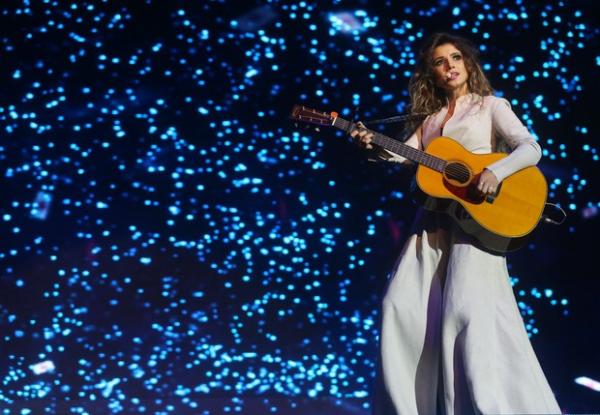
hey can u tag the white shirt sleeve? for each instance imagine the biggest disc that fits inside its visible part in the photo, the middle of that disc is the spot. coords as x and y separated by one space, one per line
525 150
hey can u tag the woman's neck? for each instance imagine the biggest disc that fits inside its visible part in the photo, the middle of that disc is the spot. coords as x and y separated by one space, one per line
454 95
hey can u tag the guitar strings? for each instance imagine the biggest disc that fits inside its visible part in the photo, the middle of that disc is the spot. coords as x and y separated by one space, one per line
458 172
455 171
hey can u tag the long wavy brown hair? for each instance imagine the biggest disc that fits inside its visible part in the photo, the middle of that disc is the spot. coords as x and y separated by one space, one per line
425 96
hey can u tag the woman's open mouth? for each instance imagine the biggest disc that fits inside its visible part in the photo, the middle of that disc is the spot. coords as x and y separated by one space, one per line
451 76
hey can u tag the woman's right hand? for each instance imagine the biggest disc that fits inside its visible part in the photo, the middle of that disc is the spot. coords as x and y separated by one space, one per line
362 135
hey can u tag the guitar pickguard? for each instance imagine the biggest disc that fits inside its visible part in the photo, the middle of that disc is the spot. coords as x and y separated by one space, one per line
468 193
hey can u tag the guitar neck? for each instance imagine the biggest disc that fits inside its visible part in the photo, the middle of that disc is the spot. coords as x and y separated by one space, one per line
395 146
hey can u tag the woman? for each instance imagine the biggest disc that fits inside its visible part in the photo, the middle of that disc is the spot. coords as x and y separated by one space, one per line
452 339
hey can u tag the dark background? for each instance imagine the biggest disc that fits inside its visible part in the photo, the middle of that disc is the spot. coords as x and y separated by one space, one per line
172 243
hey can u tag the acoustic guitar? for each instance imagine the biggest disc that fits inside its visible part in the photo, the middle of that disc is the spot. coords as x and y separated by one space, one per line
447 174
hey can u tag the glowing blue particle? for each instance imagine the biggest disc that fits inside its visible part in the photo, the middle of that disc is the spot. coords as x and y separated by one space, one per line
43 367
251 72
146 260
456 11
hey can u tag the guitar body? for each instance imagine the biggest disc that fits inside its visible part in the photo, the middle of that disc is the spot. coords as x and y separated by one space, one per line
499 222
485 239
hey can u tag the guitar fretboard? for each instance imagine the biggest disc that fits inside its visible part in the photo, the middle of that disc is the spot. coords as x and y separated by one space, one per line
397 147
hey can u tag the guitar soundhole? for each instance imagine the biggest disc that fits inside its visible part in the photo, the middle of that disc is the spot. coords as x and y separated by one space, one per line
457 173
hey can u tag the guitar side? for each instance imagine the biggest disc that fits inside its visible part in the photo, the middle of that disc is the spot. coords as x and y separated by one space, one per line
516 209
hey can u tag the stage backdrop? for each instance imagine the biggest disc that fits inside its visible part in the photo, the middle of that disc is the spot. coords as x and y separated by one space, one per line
173 244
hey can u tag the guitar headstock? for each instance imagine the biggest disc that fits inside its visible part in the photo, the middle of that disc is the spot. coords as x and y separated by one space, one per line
311 116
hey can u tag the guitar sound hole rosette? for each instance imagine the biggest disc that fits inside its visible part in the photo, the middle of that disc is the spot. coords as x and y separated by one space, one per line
458 173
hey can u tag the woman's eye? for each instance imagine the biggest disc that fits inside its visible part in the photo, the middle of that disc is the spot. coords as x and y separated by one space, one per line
457 57
438 62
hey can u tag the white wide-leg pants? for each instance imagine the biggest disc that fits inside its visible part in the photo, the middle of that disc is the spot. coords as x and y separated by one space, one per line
452 331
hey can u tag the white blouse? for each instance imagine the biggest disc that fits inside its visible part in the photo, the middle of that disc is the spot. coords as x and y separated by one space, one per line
474 124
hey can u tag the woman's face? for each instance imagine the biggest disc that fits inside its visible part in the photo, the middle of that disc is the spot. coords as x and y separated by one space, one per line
449 70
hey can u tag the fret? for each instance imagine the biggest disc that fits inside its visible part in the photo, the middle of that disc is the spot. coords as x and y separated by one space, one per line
396 146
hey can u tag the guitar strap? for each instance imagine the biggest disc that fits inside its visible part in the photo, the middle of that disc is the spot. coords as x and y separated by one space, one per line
398 118
556 218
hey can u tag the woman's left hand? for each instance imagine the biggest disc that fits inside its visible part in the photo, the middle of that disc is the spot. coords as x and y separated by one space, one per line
488 183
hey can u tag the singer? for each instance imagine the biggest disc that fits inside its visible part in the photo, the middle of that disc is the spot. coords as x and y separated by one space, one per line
452 338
